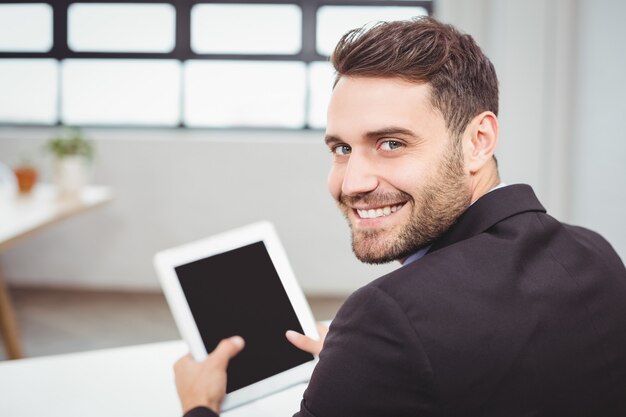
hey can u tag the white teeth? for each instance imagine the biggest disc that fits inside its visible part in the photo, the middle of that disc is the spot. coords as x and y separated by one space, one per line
379 212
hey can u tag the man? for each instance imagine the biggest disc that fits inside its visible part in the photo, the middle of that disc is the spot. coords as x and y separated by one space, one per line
498 309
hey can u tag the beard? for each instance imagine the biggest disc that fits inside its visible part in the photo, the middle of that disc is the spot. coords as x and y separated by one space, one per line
434 209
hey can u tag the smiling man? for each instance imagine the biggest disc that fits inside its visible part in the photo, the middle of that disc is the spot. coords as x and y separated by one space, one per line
498 308
397 174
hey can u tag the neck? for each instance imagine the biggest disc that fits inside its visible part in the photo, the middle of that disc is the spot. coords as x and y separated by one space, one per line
484 180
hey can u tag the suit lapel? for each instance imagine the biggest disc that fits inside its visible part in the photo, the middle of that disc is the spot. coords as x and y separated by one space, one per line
490 209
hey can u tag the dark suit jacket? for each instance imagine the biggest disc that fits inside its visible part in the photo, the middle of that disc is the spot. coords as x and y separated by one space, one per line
511 313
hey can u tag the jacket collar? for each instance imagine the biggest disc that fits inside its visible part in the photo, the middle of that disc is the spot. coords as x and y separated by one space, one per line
488 210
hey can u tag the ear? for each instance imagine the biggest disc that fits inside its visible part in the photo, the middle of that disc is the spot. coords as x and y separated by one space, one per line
481 138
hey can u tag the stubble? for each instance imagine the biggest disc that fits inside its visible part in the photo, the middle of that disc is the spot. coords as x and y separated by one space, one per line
434 209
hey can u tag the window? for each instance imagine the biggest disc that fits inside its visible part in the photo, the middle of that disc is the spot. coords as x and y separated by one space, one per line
25 27
29 90
96 27
177 63
246 28
334 21
321 78
244 93
126 92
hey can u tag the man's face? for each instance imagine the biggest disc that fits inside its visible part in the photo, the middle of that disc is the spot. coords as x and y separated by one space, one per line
397 175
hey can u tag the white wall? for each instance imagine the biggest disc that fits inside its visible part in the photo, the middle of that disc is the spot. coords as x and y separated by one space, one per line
599 122
172 187
561 66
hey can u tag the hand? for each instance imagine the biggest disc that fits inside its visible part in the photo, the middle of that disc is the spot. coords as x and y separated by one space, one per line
306 343
204 383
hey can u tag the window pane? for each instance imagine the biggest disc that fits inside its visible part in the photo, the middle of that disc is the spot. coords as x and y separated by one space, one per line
29 91
252 93
133 92
321 78
246 28
25 27
334 21
121 27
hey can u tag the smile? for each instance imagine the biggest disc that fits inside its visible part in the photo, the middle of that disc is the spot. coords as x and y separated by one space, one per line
378 212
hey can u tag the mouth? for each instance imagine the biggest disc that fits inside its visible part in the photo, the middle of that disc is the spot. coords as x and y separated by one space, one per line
376 212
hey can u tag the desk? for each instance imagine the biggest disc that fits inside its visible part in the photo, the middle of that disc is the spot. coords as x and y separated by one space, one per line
24 216
131 381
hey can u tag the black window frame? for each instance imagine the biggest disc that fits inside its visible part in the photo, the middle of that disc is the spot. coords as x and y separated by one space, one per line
182 47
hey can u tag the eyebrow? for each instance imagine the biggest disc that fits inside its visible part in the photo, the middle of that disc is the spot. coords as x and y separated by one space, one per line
374 134
392 130
331 140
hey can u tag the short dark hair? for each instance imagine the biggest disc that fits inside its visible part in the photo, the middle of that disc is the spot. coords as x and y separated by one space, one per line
463 81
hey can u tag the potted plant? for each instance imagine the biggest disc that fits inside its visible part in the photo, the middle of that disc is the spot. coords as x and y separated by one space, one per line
26 174
73 154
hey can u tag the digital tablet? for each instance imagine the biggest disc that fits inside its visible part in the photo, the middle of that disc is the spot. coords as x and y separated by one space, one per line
240 283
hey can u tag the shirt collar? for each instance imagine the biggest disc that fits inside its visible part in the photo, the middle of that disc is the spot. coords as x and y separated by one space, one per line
417 255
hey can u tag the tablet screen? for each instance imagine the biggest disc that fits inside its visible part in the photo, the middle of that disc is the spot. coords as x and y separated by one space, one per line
239 293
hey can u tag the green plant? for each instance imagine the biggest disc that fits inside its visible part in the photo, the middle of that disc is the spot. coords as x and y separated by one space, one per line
70 143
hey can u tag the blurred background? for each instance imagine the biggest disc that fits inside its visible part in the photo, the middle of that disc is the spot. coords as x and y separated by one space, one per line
206 116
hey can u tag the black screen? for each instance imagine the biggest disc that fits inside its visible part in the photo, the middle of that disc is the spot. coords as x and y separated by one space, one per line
239 293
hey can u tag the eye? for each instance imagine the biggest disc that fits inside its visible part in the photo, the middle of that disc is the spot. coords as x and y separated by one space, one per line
390 145
341 150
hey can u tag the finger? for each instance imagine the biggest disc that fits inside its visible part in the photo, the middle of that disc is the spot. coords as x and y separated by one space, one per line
226 350
303 342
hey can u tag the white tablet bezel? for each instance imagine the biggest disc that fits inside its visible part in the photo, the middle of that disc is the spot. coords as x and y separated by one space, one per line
165 262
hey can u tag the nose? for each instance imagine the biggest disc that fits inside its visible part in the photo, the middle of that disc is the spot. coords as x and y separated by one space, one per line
359 176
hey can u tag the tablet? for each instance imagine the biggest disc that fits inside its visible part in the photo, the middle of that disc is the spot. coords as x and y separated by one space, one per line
240 283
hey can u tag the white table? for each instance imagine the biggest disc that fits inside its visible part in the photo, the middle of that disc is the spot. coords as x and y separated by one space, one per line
23 216
136 381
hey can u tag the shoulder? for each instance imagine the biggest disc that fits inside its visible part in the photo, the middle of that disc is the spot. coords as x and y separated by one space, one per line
372 354
593 240
372 317
521 247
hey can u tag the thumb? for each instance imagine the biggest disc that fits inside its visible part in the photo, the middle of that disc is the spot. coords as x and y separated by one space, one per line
302 342
226 350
